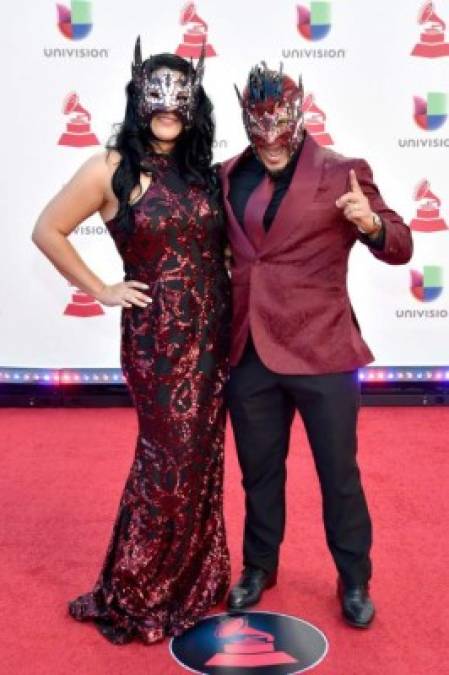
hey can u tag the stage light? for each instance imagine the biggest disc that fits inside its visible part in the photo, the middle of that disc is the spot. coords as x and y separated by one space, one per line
116 376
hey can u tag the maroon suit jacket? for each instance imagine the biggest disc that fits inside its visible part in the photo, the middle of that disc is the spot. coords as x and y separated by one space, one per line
292 293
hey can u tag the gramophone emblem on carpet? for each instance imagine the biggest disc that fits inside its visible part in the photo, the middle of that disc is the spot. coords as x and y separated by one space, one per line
254 642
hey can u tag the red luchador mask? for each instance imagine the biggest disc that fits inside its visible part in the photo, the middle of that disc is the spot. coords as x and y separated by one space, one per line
272 109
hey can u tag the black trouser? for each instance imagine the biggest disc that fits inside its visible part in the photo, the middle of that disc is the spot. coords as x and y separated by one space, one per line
262 405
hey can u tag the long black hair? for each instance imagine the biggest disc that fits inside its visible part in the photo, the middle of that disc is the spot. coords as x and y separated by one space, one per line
192 152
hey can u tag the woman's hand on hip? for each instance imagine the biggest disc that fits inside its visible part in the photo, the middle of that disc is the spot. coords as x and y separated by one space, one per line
125 294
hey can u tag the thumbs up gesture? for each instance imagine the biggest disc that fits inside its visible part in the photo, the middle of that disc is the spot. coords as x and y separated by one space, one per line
356 207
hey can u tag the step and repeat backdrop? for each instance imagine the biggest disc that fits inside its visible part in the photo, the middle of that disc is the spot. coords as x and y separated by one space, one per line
376 82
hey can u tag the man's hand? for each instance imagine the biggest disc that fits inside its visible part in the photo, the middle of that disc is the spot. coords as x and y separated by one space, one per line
356 207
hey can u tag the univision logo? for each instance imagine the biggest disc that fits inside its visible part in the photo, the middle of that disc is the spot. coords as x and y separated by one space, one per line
313 25
75 23
431 113
427 286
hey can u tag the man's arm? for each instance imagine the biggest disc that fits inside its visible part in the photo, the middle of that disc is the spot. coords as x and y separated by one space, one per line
393 244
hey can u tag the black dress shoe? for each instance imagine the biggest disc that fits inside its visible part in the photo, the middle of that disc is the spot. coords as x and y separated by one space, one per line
248 591
357 606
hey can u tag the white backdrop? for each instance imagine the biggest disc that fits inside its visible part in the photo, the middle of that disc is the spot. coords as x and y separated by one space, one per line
363 78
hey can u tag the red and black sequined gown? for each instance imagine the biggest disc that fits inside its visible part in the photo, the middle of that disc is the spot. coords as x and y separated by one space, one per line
167 563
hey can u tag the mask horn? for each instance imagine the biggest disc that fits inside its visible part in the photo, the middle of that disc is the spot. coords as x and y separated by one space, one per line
239 96
137 63
138 52
195 78
200 66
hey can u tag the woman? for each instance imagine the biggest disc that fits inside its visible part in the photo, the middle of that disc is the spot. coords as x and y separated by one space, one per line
167 562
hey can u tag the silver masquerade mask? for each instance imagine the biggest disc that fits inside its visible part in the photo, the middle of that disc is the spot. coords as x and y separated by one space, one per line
272 109
165 90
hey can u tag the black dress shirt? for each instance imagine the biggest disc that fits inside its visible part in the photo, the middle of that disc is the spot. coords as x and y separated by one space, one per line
247 176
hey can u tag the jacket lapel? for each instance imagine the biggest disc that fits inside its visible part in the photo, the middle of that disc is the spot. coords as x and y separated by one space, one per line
299 196
237 234
293 207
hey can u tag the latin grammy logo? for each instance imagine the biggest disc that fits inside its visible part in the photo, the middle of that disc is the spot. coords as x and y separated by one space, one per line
195 35
83 305
428 217
315 121
432 41
246 647
250 643
78 133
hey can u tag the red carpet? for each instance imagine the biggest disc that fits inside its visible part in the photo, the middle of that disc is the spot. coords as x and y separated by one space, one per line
61 475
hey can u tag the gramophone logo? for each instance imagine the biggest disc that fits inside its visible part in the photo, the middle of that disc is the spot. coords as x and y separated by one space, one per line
250 643
315 121
83 305
431 113
78 133
432 42
428 218
246 646
427 286
195 34
75 23
314 23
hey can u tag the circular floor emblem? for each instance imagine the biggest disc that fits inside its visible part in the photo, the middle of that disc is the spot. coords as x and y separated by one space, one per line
259 643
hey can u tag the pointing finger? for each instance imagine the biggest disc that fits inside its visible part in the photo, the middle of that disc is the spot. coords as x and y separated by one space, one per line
355 187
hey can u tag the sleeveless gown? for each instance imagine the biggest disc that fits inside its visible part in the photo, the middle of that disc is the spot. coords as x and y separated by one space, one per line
167 562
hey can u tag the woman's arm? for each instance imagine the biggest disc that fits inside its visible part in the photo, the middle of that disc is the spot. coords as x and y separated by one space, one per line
86 193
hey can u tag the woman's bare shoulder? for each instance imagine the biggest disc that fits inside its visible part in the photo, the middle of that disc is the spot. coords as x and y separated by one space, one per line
103 163
112 158
100 168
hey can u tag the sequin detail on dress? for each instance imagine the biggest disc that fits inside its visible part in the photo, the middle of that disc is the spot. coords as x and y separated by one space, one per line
167 562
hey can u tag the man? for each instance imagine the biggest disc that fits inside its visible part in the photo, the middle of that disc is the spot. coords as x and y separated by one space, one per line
295 210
